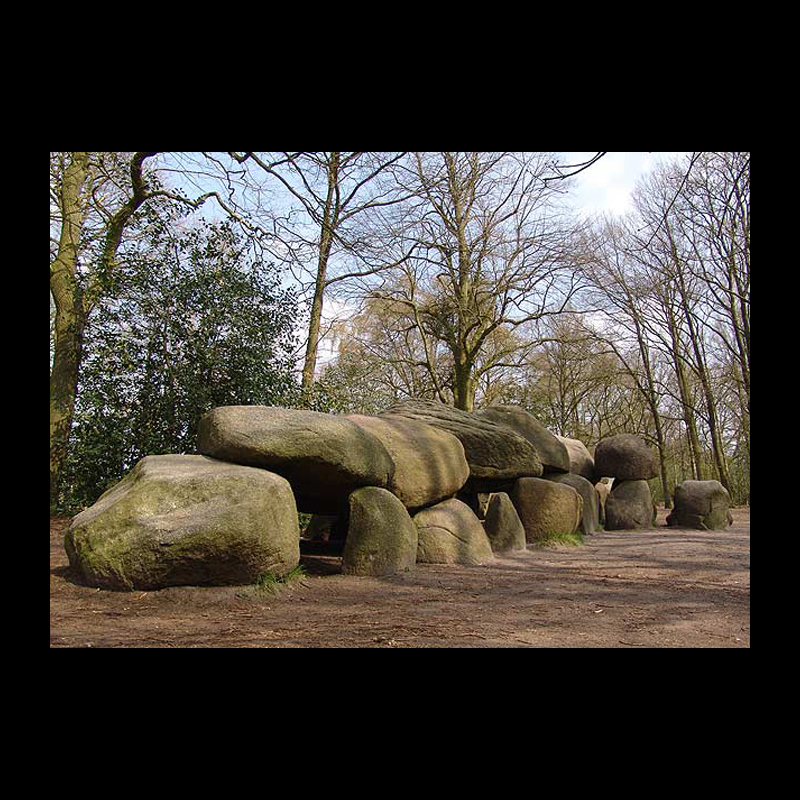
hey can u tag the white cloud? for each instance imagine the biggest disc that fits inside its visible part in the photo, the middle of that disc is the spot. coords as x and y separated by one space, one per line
606 186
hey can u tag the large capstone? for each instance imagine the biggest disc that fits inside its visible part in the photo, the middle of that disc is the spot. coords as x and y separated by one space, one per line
429 462
580 459
496 455
178 519
324 457
552 452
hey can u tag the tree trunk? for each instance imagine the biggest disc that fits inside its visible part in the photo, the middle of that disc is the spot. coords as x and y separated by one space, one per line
463 387
70 319
327 228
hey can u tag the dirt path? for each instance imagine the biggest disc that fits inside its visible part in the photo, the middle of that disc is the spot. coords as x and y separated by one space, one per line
654 588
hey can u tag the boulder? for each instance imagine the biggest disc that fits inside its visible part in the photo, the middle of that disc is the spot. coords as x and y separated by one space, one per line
626 457
704 505
176 520
496 455
629 506
429 462
503 525
324 457
449 533
381 538
580 459
552 452
590 519
546 508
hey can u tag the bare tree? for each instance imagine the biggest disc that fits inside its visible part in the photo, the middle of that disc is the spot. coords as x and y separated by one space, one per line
319 226
486 249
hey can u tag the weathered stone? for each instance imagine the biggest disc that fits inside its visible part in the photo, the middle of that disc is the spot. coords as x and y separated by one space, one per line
603 489
177 520
449 533
496 454
503 525
625 457
704 505
546 508
630 506
324 457
429 462
552 452
590 519
580 459
381 539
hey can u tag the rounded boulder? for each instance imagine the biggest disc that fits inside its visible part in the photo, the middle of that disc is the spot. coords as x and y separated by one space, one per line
625 457
381 537
186 520
704 505
450 533
546 508
629 506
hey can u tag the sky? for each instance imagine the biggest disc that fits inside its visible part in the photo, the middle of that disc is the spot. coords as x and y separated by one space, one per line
606 186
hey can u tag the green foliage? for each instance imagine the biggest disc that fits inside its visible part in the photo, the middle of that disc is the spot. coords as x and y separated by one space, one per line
190 322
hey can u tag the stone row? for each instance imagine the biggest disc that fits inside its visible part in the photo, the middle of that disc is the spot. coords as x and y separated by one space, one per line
419 483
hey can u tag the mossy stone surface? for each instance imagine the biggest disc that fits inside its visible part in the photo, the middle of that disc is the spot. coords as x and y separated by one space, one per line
176 520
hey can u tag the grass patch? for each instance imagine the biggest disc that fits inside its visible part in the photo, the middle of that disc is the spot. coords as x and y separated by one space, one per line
269 584
560 540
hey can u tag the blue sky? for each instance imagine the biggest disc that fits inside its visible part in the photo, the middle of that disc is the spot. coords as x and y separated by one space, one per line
607 185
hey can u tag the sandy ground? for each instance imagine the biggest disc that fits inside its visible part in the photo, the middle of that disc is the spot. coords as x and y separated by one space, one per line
650 588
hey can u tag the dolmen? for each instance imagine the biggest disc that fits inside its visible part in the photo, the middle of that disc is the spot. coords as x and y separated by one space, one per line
420 482
631 463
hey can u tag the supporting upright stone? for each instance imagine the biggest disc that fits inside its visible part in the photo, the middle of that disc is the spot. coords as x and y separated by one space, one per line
381 538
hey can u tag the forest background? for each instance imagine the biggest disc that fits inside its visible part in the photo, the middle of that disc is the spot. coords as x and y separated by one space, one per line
344 282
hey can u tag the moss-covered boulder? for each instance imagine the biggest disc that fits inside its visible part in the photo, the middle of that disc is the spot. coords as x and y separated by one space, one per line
630 506
381 537
704 505
546 509
176 520
450 533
